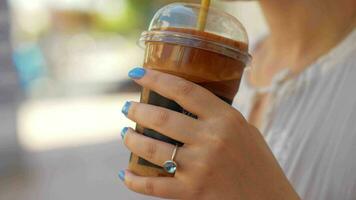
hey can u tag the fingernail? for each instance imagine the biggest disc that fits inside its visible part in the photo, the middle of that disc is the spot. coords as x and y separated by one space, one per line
125 108
122 175
123 132
137 73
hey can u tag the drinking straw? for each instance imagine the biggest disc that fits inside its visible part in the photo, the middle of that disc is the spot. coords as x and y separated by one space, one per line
203 14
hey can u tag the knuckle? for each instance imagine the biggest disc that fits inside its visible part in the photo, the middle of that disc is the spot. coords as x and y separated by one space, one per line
203 170
218 143
155 77
162 117
234 117
149 187
129 184
133 110
185 88
253 128
151 150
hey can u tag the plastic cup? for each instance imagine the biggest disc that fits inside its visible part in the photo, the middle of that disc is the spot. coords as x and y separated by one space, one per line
214 58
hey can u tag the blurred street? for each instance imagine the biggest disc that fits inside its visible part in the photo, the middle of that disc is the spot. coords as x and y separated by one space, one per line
79 159
87 172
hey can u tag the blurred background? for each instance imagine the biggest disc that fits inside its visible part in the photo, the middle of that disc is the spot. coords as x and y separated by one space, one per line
63 81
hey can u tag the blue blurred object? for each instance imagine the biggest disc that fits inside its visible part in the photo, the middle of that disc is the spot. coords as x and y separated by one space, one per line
30 64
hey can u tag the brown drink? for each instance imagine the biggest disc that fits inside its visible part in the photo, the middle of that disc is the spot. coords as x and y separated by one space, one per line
210 60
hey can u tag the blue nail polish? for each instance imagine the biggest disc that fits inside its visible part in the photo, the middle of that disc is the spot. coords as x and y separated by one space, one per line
125 108
123 132
122 175
137 73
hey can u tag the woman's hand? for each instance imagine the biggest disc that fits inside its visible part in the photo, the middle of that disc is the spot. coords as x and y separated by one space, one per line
223 156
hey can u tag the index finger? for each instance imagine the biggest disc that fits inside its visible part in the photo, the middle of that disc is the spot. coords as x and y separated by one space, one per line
189 95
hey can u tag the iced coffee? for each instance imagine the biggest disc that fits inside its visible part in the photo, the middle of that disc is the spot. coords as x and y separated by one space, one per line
214 58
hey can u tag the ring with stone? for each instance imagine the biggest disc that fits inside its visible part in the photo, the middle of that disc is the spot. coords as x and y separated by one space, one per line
170 166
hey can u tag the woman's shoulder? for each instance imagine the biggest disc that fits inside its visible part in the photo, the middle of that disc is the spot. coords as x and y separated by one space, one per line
342 57
336 69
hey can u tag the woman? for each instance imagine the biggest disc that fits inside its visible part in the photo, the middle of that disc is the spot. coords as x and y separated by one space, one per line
299 94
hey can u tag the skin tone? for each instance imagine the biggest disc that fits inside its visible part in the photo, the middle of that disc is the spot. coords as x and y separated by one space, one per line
300 32
224 156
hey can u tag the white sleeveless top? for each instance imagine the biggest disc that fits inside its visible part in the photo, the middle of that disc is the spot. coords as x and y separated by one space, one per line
310 124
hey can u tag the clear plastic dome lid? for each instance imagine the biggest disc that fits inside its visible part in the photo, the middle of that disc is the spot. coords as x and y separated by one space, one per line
177 23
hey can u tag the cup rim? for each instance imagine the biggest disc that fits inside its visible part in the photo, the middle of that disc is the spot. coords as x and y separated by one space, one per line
195 41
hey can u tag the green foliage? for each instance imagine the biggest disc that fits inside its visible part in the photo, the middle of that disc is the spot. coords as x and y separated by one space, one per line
134 16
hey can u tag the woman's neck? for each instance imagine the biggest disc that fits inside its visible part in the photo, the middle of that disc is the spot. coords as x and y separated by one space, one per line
301 23
301 31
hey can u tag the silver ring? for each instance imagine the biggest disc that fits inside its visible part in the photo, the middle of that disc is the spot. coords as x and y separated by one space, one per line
170 166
